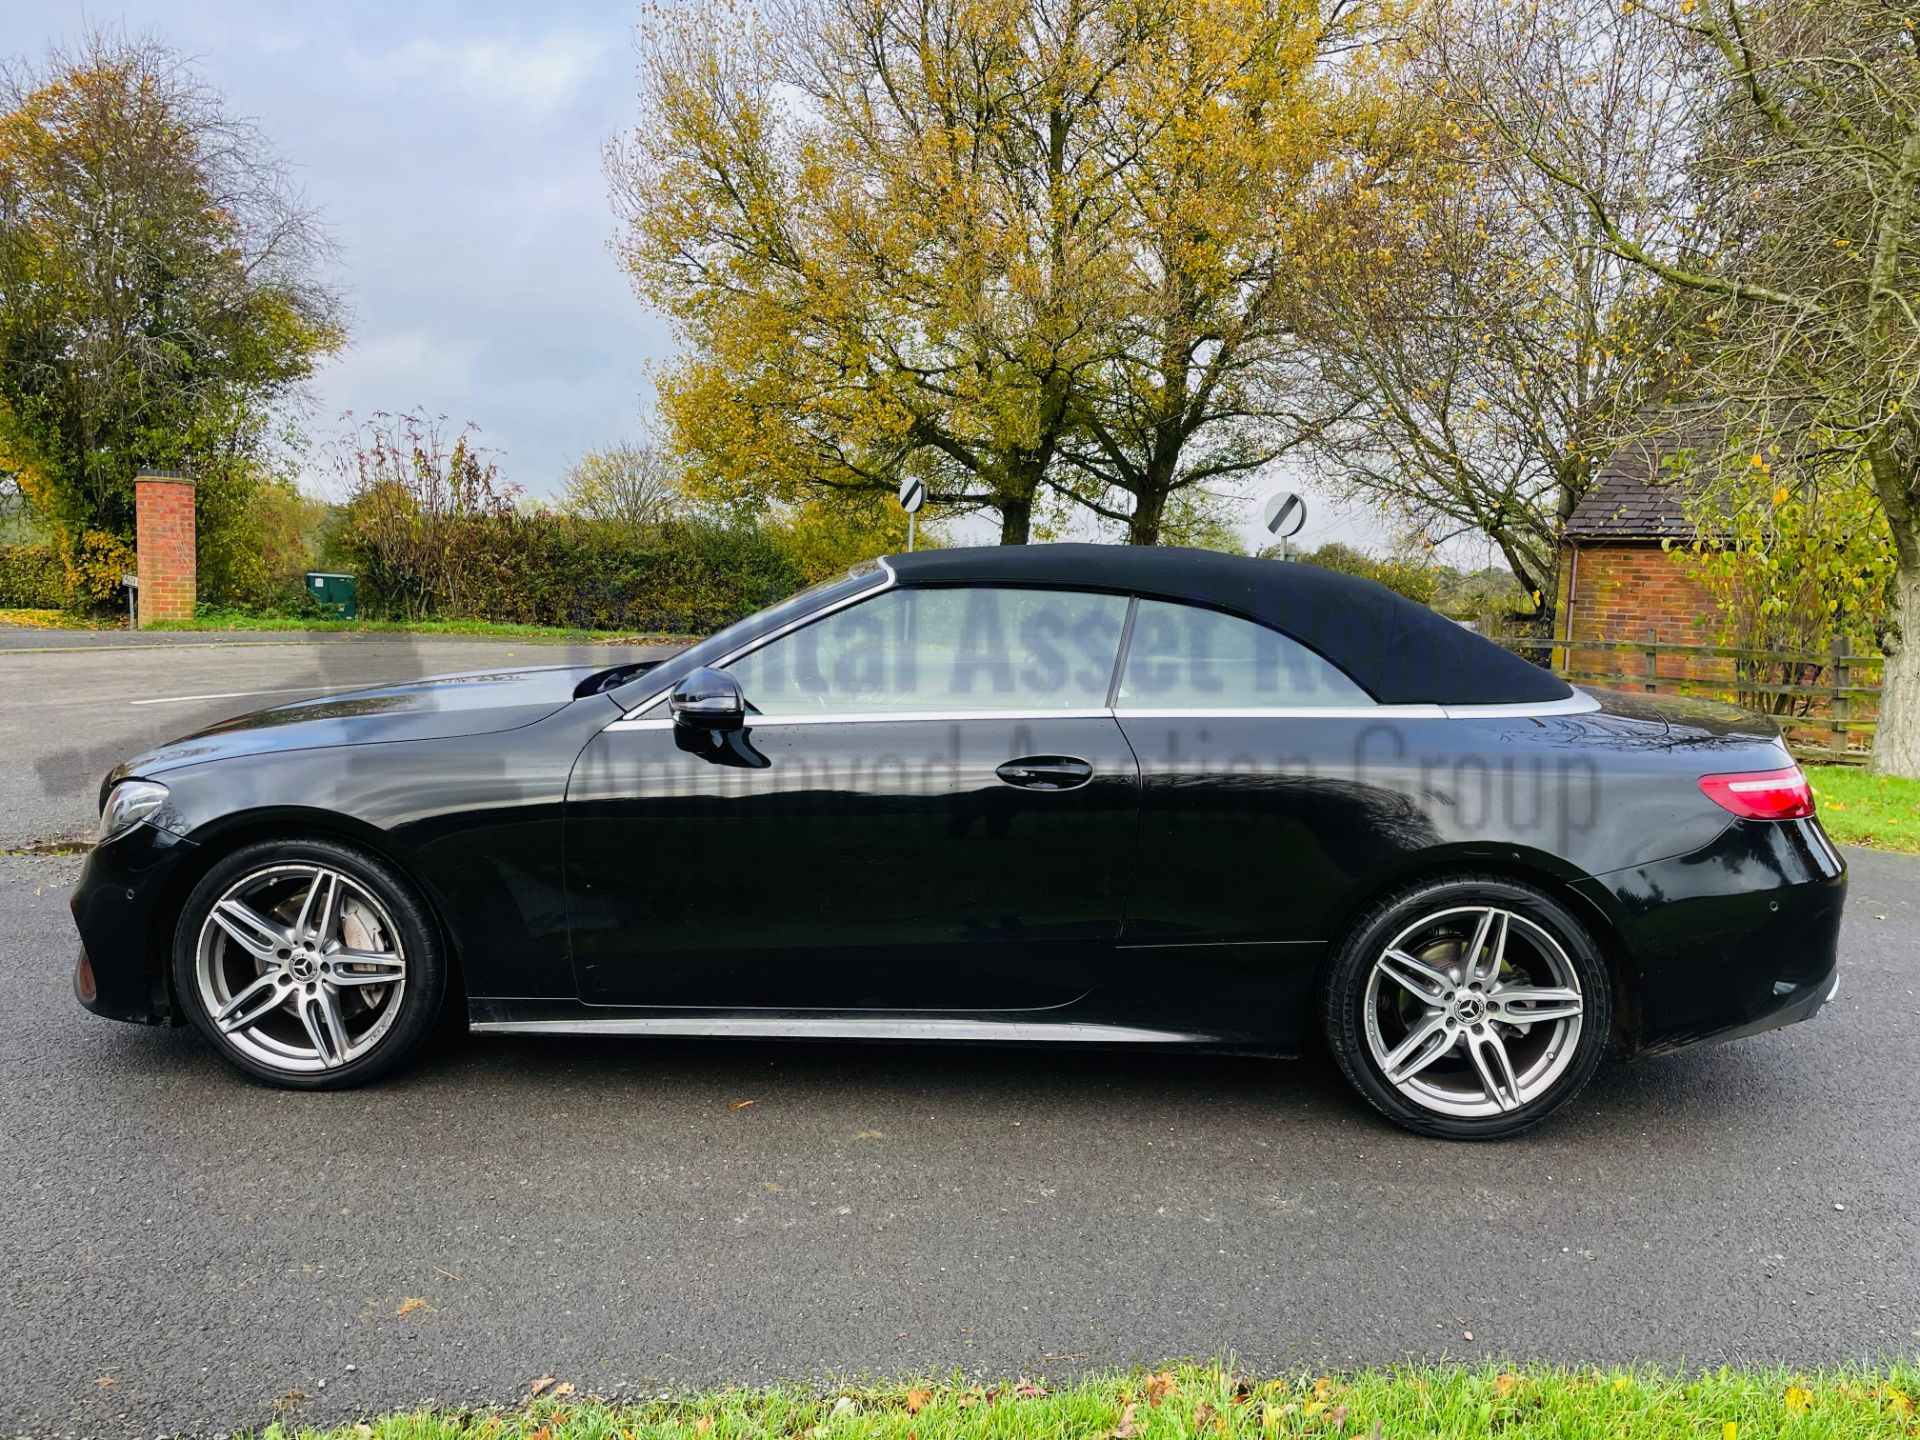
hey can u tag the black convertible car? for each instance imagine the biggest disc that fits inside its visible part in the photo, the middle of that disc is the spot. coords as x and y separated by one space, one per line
1040 793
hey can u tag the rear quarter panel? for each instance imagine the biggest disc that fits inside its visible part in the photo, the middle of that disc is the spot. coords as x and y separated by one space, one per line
1262 838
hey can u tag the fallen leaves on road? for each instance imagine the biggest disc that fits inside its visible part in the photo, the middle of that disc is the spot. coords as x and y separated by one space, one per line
917 1400
1158 1387
412 1305
539 1385
1798 1398
740 1104
106 1382
871 1135
1126 1430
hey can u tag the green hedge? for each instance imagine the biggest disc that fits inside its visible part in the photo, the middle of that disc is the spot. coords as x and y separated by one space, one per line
678 577
32 577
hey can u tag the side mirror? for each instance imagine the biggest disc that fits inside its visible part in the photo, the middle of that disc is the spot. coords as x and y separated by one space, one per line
708 699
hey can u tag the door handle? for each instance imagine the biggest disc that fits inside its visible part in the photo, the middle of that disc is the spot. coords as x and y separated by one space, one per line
1046 772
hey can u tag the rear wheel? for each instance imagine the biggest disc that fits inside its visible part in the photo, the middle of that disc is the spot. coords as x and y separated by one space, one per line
309 963
1468 1006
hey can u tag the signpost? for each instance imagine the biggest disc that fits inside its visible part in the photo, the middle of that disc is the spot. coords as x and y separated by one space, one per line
913 494
1283 516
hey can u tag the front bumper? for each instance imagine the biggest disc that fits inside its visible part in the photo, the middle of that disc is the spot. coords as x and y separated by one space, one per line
1740 936
123 906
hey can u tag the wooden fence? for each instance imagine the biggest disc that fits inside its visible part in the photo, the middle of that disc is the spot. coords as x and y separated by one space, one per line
1825 704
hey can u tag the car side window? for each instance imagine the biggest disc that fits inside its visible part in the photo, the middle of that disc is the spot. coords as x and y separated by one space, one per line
958 649
1183 657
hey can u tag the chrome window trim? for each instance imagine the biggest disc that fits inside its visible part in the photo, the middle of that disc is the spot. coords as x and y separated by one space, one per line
1579 703
1280 712
893 579
903 717
887 717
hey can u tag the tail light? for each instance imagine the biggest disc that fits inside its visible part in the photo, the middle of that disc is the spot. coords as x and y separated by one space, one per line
1761 794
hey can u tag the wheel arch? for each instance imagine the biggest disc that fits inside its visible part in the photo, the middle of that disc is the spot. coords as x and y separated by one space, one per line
1536 868
217 839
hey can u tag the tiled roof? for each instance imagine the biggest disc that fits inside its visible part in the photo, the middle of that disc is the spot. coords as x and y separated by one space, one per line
1636 495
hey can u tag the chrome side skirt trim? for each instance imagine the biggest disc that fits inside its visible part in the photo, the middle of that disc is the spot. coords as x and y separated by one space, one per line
788 1027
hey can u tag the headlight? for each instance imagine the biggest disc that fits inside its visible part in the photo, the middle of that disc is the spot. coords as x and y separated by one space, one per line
128 803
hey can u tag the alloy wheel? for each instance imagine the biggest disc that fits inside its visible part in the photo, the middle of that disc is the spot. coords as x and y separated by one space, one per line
300 967
1472 1011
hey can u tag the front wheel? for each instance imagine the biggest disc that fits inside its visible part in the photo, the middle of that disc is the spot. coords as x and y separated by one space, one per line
1468 1007
310 964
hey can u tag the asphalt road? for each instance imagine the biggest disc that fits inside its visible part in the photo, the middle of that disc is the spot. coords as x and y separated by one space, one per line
73 704
179 1249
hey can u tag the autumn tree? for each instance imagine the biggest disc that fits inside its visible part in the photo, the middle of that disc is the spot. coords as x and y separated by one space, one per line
881 233
159 281
1792 546
1789 213
631 485
1224 133
1482 353
1032 250
1398 573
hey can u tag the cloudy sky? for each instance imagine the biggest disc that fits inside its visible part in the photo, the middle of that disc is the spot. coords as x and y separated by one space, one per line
455 152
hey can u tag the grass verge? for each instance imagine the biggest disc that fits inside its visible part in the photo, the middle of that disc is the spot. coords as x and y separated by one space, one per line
240 620
1858 808
54 620
1213 1403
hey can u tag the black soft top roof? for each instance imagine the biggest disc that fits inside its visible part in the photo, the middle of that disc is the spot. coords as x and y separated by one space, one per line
1399 652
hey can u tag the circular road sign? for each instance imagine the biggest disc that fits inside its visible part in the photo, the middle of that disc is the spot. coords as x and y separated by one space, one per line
913 493
1285 513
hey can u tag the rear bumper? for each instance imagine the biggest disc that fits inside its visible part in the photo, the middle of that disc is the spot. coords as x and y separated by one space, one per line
1740 936
120 908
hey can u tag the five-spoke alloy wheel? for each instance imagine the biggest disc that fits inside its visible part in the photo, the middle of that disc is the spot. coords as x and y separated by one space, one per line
310 963
1468 1006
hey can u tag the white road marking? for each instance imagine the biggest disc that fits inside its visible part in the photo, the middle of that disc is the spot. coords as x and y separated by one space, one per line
239 694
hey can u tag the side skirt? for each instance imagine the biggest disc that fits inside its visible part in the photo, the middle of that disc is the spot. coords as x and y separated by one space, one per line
565 1017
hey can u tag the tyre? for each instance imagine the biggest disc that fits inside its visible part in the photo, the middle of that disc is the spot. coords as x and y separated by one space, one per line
1468 1006
310 964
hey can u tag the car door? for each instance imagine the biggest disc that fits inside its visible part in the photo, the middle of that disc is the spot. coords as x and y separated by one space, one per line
930 808
1256 813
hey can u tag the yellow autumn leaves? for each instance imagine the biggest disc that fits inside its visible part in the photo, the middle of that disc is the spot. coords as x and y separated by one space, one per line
1038 255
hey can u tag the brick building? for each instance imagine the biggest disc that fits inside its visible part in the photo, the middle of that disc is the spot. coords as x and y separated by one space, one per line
1616 581
1617 584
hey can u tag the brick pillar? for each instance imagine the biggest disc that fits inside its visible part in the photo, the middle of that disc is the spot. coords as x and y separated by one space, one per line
163 526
